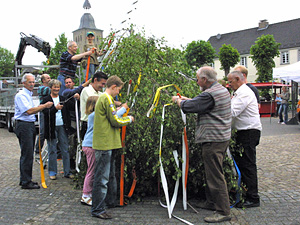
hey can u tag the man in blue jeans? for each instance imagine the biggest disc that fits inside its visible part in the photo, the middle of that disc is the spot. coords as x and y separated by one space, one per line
285 96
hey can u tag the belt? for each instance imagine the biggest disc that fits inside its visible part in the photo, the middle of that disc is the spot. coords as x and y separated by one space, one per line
24 121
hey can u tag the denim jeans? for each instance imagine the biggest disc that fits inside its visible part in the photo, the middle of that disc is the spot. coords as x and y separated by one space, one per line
283 109
61 78
61 141
91 72
25 132
40 137
105 183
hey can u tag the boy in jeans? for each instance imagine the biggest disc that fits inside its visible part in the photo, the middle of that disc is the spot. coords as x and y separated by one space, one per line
106 140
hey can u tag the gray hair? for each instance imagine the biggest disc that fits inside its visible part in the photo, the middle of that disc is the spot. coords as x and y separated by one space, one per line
54 82
70 43
24 78
237 73
208 72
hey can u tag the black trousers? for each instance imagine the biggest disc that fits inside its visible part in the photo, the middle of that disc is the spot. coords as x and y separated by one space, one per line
25 132
249 139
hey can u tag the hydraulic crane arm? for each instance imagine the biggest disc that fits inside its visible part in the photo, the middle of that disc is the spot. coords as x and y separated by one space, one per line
34 41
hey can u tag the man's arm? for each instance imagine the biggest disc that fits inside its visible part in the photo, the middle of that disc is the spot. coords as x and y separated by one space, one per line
202 103
238 104
81 55
39 108
111 114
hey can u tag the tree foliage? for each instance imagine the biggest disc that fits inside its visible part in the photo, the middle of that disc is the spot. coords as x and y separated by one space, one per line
7 63
158 65
198 53
262 55
229 57
55 53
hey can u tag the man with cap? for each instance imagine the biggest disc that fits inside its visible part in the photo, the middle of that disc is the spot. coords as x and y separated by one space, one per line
68 63
93 57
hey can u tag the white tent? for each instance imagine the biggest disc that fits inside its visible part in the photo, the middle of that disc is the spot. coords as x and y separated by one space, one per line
288 73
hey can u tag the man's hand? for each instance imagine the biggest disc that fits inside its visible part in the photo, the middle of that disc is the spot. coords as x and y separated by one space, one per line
77 96
59 106
48 104
91 51
87 83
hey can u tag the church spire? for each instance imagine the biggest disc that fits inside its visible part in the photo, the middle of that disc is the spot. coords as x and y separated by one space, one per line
86 4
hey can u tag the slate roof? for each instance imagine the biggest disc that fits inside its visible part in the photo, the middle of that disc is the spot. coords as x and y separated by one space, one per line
287 33
87 21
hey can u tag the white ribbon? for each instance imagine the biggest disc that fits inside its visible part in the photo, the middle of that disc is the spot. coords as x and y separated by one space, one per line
78 150
170 205
184 193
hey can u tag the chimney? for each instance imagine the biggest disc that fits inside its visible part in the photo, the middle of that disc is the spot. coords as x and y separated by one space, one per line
263 24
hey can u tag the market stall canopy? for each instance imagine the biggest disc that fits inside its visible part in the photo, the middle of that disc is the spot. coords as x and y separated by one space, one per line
288 73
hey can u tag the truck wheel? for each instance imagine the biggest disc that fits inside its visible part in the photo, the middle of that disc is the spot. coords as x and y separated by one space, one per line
9 123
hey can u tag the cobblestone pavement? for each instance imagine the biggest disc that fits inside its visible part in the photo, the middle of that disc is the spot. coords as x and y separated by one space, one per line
278 157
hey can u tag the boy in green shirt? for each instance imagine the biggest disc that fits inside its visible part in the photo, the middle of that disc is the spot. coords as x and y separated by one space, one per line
106 139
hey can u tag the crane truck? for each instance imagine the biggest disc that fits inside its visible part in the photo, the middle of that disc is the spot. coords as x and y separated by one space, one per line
9 86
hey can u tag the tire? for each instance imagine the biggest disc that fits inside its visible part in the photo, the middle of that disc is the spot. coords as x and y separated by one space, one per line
9 123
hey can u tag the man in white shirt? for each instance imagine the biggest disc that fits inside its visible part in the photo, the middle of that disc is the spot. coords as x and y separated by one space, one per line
94 89
246 119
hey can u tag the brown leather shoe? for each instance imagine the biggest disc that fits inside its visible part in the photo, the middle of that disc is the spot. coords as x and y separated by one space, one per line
104 216
217 218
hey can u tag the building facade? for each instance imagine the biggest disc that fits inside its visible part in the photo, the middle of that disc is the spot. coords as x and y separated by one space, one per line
87 24
287 33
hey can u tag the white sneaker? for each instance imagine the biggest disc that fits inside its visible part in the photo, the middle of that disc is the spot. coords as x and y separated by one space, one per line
279 122
86 201
283 123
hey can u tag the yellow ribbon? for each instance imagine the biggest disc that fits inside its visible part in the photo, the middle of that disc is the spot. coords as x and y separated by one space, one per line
157 96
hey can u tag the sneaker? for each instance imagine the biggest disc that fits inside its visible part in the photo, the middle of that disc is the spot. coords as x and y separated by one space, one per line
217 218
279 122
283 123
71 176
86 201
206 205
53 177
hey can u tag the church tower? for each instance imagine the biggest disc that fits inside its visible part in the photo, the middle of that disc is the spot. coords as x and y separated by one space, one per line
87 24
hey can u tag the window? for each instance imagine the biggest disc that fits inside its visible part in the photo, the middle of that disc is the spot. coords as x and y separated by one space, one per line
243 61
285 57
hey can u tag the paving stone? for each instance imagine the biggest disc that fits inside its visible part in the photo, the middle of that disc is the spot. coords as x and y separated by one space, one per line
278 161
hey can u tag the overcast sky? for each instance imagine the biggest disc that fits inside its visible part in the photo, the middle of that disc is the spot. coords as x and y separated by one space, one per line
180 22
